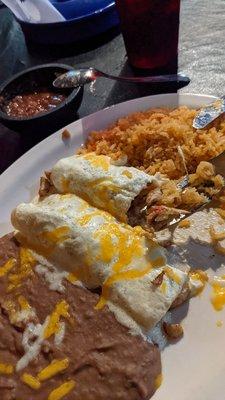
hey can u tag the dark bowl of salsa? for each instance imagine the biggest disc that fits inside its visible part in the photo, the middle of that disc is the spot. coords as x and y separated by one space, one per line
29 103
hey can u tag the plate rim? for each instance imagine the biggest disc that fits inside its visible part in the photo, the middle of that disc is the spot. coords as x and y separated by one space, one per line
202 391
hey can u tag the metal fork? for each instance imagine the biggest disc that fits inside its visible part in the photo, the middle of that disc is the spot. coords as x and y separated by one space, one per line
219 164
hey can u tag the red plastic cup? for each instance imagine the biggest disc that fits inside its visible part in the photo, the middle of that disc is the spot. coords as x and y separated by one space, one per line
150 29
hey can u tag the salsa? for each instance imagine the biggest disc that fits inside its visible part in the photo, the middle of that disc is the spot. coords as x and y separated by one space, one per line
29 104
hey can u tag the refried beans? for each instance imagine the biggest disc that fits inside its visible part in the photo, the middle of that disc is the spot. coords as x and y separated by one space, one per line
103 360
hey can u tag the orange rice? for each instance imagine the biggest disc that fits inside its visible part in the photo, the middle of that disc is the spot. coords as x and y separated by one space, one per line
149 141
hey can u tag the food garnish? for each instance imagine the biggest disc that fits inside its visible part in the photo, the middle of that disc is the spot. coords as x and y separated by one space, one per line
173 331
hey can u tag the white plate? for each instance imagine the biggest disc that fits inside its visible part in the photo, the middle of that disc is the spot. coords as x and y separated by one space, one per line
193 368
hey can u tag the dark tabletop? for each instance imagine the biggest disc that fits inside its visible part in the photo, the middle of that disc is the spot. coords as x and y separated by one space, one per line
201 57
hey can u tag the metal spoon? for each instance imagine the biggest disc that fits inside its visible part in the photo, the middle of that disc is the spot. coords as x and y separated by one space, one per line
209 113
83 76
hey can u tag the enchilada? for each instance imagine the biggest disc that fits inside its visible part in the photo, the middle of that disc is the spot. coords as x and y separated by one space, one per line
102 252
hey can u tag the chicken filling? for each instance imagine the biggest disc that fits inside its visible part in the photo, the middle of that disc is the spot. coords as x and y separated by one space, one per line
155 207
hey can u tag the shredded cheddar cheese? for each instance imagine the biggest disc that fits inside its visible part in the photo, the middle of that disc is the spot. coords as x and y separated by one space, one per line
24 270
97 161
104 193
172 275
26 257
113 239
158 381
198 280
72 278
98 181
10 307
31 381
163 287
6 369
200 276
24 305
102 189
85 197
185 223
127 173
218 294
53 369
107 248
4 269
85 219
216 236
122 240
62 390
15 314
53 327
218 298
57 235
124 275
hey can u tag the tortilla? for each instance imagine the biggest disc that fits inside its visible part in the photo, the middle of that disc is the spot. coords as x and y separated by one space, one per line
106 186
100 251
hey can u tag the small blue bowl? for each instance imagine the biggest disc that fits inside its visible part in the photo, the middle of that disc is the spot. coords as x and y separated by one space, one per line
84 19
72 9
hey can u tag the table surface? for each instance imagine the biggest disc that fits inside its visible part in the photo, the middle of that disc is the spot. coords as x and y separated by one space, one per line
201 57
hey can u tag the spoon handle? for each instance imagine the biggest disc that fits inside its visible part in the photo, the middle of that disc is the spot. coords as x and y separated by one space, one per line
148 79
82 76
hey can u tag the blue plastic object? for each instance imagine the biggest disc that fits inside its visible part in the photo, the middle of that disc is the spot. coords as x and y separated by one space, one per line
84 19
71 9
